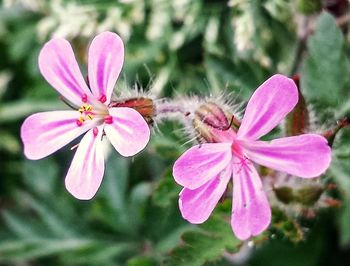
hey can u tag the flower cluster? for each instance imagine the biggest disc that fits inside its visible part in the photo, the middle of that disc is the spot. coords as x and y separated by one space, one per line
229 148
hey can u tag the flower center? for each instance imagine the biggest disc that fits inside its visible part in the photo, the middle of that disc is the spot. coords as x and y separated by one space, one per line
240 158
237 150
86 113
93 109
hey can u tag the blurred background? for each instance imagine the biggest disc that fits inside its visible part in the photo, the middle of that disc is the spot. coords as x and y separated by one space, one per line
183 47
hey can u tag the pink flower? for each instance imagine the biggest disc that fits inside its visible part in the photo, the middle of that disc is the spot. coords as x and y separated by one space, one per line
45 133
205 170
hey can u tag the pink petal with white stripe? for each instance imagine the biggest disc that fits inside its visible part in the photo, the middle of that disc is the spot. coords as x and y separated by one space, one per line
45 133
201 163
197 205
306 155
270 103
251 212
59 67
106 57
129 133
85 173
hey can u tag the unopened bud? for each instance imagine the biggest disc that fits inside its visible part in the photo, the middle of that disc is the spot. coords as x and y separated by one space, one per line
145 106
308 213
298 121
212 115
213 124
331 133
284 194
332 202
306 196
331 186
309 195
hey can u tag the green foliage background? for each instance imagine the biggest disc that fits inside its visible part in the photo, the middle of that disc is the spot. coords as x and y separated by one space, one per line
172 48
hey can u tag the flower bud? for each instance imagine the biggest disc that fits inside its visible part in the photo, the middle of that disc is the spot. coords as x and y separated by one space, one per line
213 124
333 203
212 115
145 106
309 195
331 133
298 120
284 194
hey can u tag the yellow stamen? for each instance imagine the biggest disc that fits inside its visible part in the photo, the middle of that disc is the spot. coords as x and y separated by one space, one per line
85 108
86 112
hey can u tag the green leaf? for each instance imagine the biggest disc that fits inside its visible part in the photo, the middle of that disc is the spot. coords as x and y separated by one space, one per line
343 221
166 191
115 181
9 142
142 261
41 176
137 203
340 170
208 243
113 191
286 225
24 250
309 6
279 251
17 110
325 71
20 227
99 253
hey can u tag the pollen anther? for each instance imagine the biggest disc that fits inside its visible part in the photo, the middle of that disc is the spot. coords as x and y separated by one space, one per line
79 123
108 119
85 108
84 98
103 98
86 112
95 131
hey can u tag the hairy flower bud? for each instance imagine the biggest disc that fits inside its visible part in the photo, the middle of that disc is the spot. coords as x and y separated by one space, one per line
332 133
298 120
145 106
284 194
212 115
306 196
209 118
309 195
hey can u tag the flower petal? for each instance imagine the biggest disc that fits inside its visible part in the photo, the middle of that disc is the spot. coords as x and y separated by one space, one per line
305 155
129 133
197 205
201 163
251 212
270 103
106 57
85 173
59 67
45 133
